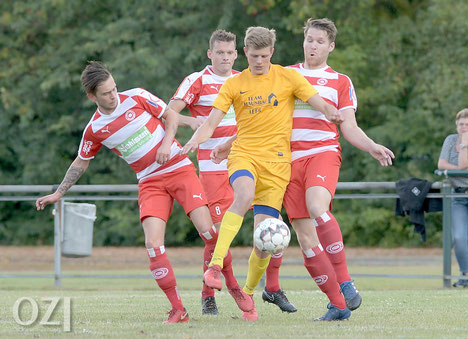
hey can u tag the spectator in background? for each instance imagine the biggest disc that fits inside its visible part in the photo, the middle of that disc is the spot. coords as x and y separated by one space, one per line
454 156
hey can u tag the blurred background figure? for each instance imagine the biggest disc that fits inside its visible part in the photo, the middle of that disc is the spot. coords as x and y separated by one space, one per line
454 156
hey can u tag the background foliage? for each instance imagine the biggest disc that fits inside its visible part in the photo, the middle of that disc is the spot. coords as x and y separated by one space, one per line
408 60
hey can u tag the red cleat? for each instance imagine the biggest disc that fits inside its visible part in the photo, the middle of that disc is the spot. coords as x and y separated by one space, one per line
177 316
243 300
251 315
212 277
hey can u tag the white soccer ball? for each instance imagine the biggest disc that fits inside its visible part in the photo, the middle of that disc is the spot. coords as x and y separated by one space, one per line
272 235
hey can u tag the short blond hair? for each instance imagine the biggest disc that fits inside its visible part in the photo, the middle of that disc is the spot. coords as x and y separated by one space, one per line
324 24
259 37
462 114
222 35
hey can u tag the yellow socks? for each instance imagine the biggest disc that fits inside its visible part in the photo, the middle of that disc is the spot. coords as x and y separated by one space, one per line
230 226
257 267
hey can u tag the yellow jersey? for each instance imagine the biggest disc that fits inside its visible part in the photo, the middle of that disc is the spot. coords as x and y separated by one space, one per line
264 107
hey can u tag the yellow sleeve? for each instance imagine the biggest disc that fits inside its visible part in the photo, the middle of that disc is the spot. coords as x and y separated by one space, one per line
224 99
302 88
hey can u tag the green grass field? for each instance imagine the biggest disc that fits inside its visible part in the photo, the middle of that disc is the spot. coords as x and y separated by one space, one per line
401 308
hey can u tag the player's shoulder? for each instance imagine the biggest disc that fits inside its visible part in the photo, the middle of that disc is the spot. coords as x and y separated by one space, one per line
198 75
133 92
141 95
340 76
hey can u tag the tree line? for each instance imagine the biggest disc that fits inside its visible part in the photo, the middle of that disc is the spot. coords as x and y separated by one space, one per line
407 58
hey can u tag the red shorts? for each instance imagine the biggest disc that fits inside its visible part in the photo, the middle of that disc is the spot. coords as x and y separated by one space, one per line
219 193
320 169
156 194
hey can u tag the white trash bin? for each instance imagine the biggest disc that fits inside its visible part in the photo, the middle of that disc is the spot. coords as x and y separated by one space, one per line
77 231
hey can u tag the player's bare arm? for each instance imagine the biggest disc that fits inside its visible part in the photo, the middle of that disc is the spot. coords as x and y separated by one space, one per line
178 105
221 152
171 118
359 139
74 172
331 113
205 131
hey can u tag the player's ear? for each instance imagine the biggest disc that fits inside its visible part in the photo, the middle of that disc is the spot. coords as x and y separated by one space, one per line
332 47
91 97
208 53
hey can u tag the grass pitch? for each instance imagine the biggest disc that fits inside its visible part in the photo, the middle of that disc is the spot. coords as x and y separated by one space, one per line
134 308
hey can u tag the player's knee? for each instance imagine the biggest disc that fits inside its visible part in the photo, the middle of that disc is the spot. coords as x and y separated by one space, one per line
153 242
317 210
244 201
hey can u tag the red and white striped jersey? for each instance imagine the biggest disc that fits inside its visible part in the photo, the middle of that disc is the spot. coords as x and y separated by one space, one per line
134 132
198 91
312 132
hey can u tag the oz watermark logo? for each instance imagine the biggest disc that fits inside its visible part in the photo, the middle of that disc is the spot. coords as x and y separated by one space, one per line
26 312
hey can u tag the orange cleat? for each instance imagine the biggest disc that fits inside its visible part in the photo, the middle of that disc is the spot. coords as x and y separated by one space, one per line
177 316
243 300
251 315
212 277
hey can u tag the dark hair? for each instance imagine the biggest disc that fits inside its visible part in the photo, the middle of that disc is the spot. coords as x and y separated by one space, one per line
222 35
93 74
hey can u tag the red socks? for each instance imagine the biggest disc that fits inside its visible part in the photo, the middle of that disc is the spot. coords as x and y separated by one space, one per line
210 239
322 272
330 237
163 273
272 273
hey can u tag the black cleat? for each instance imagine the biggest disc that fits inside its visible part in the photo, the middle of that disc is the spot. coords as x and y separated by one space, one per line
461 283
279 299
209 306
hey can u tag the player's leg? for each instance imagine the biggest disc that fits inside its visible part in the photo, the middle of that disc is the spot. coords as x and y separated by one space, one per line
318 200
322 172
155 207
320 269
201 219
272 179
220 196
273 293
161 268
243 184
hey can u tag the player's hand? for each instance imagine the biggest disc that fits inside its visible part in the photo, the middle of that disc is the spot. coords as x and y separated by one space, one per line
190 146
42 202
334 115
382 154
163 154
196 122
220 152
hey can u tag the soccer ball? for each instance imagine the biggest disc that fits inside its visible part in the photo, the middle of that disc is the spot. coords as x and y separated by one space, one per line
272 235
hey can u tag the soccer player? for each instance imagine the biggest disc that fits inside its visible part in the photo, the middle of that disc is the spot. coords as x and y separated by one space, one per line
316 157
129 124
198 92
259 163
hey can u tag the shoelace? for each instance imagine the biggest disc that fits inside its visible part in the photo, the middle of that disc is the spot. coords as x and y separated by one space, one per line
172 312
281 295
210 304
